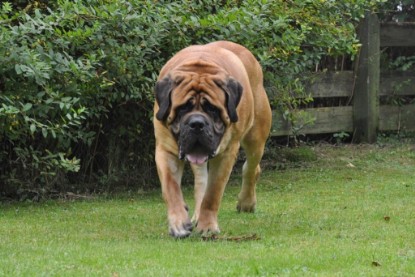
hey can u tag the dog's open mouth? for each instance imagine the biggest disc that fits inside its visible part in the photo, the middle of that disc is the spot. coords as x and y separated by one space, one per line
197 158
197 154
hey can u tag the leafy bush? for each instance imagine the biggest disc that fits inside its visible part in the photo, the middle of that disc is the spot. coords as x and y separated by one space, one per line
76 77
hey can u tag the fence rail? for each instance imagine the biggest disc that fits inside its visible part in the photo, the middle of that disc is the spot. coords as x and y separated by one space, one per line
363 88
340 119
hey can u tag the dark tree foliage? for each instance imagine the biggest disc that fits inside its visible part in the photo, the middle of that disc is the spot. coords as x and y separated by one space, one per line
397 11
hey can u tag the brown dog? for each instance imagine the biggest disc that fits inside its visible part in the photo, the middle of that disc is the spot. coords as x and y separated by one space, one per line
210 100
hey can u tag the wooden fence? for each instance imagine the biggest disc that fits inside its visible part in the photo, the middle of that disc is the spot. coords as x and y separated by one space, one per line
363 87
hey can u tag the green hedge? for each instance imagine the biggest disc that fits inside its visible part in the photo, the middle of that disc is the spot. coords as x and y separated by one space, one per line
76 77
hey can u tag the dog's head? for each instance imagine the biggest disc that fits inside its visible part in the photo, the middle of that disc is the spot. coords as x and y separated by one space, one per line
197 106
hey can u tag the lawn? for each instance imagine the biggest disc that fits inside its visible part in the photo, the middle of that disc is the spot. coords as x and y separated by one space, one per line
350 212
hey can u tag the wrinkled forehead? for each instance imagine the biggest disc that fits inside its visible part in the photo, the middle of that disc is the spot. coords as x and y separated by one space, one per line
197 85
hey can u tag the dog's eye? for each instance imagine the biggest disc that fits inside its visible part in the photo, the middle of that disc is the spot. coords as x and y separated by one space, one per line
209 108
185 108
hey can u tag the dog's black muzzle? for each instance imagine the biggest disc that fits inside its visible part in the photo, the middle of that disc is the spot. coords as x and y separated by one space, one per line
196 139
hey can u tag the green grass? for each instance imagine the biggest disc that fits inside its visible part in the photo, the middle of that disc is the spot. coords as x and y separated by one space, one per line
351 212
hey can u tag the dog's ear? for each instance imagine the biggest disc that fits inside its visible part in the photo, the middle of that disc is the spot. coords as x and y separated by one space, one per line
163 90
233 92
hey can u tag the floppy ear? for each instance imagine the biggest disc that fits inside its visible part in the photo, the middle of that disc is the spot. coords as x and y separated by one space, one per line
163 90
233 91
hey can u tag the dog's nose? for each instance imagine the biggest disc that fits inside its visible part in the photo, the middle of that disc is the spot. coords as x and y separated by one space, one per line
197 123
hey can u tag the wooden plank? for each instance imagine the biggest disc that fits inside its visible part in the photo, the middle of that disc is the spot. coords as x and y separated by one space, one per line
326 120
397 83
340 84
339 119
397 34
394 118
331 84
365 98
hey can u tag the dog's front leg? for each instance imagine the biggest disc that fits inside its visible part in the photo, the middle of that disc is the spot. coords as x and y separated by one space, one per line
170 171
220 169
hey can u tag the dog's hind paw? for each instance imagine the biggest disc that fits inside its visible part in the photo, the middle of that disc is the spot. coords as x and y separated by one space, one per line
246 208
246 204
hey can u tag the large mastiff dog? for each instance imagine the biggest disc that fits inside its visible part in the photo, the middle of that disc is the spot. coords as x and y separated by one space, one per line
210 100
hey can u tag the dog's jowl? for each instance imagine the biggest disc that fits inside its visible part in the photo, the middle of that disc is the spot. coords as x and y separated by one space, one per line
210 101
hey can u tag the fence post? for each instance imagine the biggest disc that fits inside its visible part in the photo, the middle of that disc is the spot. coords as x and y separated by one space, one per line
366 91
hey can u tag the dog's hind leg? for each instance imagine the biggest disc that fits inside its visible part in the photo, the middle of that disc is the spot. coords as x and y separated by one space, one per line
253 144
251 171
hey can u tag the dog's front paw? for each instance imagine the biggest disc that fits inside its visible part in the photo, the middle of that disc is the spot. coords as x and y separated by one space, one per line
207 224
207 229
180 225
181 230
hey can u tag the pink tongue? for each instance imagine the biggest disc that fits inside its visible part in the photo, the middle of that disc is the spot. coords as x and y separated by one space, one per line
196 158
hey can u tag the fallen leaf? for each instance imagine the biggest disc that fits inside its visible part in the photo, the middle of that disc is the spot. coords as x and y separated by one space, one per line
350 165
375 263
